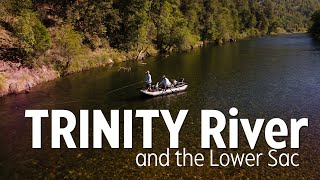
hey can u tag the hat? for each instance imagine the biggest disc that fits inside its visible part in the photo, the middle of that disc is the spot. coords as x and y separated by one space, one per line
148 72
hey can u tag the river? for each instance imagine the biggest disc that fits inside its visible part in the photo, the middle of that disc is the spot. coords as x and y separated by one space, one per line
266 77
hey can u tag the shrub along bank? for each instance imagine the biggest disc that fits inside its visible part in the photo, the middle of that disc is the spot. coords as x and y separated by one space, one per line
69 36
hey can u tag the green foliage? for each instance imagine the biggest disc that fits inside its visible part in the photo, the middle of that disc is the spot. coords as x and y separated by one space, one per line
138 26
209 30
193 10
171 27
135 27
18 6
4 8
69 45
88 18
225 24
315 29
185 39
41 37
33 35
24 31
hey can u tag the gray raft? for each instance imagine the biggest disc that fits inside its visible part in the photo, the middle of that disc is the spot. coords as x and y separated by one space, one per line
162 92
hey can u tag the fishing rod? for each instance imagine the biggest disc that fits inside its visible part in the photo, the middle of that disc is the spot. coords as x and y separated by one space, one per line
75 101
124 87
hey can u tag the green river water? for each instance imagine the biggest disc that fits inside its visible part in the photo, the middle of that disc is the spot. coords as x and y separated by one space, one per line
267 77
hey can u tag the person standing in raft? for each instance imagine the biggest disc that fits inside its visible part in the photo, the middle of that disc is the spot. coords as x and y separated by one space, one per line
165 83
148 80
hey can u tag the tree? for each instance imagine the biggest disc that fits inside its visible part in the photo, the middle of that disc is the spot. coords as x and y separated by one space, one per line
33 35
209 30
70 45
315 28
136 25
170 24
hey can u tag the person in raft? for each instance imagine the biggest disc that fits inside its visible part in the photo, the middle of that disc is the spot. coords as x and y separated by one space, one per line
165 83
148 80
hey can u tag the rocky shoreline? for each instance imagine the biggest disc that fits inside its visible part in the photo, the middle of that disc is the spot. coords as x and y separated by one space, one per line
15 78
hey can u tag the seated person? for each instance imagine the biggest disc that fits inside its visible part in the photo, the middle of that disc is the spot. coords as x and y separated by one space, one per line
165 83
174 82
181 81
154 87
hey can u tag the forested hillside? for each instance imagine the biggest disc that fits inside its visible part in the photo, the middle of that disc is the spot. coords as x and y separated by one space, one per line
76 34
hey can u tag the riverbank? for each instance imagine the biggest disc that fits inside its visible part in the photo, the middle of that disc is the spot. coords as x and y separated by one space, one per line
16 78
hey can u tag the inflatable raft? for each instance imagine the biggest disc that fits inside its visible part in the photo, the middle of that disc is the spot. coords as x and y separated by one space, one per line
162 92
